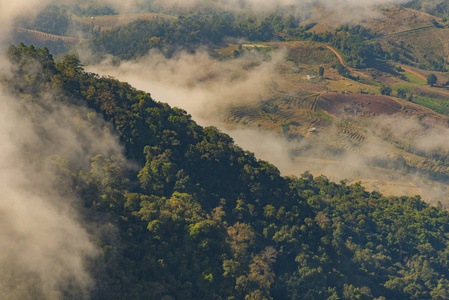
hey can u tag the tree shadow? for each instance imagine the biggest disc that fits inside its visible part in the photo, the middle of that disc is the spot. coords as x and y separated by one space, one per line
388 68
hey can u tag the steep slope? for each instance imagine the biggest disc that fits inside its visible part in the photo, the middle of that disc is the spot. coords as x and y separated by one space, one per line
197 217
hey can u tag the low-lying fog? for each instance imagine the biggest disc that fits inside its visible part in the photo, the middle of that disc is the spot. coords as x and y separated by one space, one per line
205 88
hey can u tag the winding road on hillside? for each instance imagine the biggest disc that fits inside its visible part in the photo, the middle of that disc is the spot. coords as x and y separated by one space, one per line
342 62
349 68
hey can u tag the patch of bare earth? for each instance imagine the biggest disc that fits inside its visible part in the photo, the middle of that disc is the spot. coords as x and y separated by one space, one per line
342 105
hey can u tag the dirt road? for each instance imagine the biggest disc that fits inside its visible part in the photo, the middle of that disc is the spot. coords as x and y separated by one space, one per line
338 56
413 72
349 68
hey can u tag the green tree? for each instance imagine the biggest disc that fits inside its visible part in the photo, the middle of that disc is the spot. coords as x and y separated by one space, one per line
402 93
321 71
342 70
431 79
385 90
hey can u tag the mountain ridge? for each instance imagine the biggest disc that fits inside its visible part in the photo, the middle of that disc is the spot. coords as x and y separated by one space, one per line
208 220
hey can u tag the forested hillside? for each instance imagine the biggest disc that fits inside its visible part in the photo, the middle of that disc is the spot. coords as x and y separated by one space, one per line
197 217
437 8
185 33
59 20
199 30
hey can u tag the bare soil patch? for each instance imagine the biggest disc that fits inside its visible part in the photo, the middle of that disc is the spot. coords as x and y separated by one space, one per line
358 104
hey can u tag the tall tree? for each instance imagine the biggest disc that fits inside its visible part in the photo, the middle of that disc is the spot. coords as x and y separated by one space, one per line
431 79
321 71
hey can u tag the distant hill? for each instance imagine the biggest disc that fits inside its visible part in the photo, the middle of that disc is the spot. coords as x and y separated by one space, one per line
378 57
437 8
387 58
104 23
57 44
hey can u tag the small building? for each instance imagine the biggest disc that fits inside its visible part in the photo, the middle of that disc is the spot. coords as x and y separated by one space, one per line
309 77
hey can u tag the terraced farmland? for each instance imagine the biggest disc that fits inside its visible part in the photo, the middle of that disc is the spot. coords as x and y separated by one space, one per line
243 115
40 37
351 134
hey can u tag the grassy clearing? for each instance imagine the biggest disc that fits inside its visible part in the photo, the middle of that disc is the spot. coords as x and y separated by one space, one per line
413 78
230 48
227 51
352 86
310 54
403 86
324 117
439 106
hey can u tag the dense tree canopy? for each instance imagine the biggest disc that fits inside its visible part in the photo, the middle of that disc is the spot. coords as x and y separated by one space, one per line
203 219
431 79
188 33
59 20
137 38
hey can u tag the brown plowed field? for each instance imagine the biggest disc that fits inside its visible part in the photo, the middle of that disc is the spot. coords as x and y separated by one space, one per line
338 104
